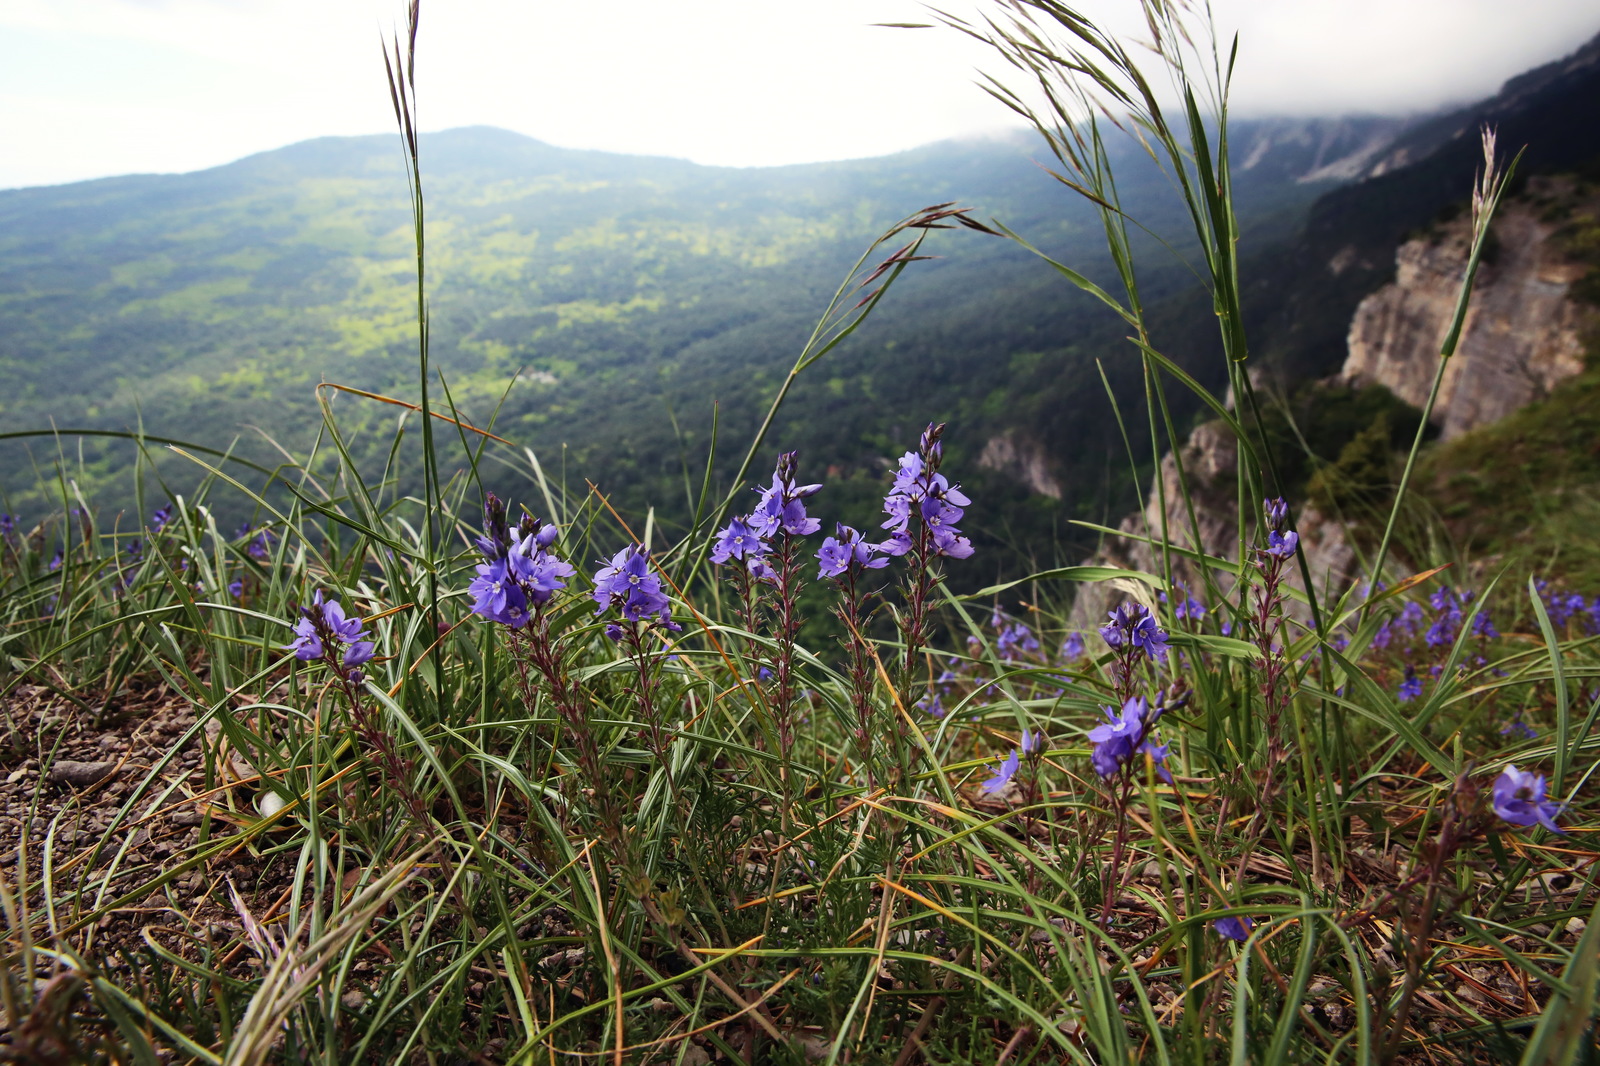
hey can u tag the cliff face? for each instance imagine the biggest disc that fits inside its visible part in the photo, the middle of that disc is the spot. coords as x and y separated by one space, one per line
1522 334
1021 460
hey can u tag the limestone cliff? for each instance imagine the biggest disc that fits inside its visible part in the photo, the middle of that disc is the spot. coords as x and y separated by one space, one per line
1522 336
1021 460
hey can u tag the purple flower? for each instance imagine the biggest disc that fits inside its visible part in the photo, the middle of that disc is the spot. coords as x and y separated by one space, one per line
1016 637
359 652
1116 740
1188 607
55 561
950 543
537 571
1235 929
159 520
1282 544
932 705
1133 625
782 506
1277 512
1483 626
736 542
497 597
307 643
1158 756
323 626
1031 742
236 588
341 628
7 525
938 503
1411 687
848 551
1072 647
1519 798
897 544
1003 773
629 585
760 571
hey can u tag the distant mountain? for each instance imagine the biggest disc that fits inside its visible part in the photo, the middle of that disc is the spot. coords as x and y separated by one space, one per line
626 289
1306 291
620 297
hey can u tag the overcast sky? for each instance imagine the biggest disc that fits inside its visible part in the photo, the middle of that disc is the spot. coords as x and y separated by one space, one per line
90 88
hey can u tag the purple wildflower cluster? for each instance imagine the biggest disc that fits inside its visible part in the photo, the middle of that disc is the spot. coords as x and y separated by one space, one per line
518 574
1127 733
628 585
1185 606
1133 636
781 509
1133 629
1014 640
1564 607
323 629
848 552
920 490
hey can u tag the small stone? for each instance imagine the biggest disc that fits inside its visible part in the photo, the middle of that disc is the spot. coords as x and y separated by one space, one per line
353 999
16 775
80 774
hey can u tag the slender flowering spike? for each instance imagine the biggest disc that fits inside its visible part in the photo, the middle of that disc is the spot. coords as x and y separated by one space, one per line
496 536
1519 798
1282 544
1003 773
1235 929
1277 513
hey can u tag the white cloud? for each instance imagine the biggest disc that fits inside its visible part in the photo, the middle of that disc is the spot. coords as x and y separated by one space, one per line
95 87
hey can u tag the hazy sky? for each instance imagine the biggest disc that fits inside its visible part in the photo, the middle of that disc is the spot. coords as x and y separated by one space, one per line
96 87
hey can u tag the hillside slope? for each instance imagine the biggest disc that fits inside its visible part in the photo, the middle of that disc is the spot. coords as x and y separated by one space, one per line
626 290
